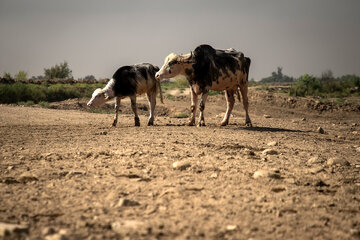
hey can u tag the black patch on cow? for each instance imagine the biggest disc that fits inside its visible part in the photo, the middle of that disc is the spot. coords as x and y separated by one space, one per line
127 77
188 71
143 72
209 63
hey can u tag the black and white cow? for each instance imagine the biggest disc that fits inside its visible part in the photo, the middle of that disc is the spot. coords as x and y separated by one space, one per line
209 69
129 81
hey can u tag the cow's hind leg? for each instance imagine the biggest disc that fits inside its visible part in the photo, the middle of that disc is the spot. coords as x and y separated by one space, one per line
152 103
133 107
230 100
194 98
244 92
202 108
117 106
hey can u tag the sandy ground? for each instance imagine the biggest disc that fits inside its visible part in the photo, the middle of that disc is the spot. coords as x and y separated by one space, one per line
67 174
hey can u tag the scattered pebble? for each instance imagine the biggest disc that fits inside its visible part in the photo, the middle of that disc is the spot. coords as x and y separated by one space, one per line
337 161
278 189
231 227
181 165
27 177
303 119
358 149
267 173
61 235
214 175
320 130
269 152
130 226
267 116
48 231
9 229
314 160
274 143
123 202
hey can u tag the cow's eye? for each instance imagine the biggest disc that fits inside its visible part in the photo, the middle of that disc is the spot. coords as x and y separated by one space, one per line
172 63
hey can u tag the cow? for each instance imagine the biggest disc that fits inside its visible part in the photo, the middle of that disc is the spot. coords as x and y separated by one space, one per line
209 69
129 81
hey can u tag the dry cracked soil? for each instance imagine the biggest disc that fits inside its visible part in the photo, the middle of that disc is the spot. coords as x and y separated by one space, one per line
67 174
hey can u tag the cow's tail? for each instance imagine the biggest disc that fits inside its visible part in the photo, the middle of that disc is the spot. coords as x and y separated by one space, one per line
238 94
247 67
161 96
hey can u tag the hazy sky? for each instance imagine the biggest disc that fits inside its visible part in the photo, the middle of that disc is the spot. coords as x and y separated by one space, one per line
96 37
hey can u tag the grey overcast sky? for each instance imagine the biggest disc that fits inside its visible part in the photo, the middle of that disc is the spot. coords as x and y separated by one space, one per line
96 37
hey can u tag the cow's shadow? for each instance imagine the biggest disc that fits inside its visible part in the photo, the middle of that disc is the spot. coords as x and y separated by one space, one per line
269 129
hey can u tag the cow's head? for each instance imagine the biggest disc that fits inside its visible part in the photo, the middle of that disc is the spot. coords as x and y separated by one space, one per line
174 65
98 98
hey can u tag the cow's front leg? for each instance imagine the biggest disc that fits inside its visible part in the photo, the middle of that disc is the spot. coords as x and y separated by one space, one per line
194 99
133 107
244 91
202 108
152 103
117 107
230 100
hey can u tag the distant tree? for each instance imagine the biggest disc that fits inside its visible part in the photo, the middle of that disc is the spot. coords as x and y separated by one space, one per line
278 76
7 75
89 77
327 76
61 70
20 76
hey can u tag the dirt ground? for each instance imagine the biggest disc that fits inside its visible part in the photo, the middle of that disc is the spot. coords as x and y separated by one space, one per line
67 174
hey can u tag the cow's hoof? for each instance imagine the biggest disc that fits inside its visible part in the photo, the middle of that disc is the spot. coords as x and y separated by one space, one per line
114 124
150 123
201 124
190 124
248 124
222 124
137 122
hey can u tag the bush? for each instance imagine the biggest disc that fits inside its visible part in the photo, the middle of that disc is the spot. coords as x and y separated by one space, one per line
61 70
306 85
21 92
341 87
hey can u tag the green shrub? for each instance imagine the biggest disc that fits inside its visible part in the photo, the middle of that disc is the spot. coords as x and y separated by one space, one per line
181 115
44 104
306 85
20 92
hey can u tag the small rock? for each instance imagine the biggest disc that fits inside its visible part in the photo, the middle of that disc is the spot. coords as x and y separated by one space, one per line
10 168
358 149
27 177
354 124
314 160
316 170
249 152
214 175
48 231
303 119
278 189
267 116
123 202
267 173
231 228
337 161
274 143
62 235
181 165
130 227
320 130
355 132
269 152
9 229
320 183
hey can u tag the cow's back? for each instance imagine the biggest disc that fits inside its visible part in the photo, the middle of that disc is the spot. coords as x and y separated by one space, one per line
135 79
